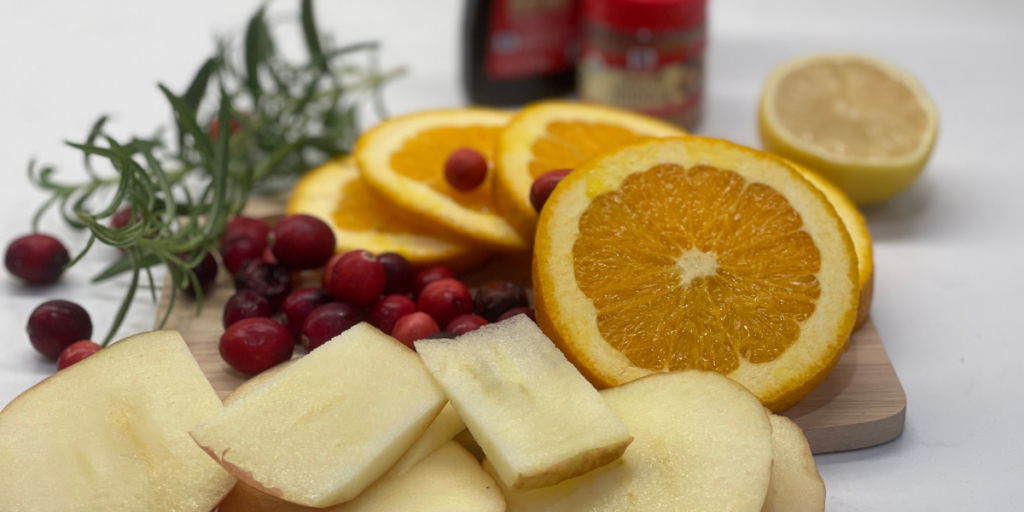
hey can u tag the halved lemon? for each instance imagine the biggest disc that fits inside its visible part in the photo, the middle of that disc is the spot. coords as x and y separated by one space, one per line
864 124
559 135
696 253
403 159
362 219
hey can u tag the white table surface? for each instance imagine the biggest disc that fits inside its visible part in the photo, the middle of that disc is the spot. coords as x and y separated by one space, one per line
948 296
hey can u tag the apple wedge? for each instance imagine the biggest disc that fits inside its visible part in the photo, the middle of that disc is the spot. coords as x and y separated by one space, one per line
111 433
323 429
796 485
535 417
703 443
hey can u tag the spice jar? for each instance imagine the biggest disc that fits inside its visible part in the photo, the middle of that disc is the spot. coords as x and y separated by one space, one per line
645 55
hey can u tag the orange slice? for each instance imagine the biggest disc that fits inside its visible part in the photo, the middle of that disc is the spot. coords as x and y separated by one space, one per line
696 253
559 135
362 219
403 159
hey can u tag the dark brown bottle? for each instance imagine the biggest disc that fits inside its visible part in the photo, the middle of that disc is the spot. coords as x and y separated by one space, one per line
517 51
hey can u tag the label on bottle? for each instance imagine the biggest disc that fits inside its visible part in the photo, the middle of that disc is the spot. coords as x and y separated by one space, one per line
530 38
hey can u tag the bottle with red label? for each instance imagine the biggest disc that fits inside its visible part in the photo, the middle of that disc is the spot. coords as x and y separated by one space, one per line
517 51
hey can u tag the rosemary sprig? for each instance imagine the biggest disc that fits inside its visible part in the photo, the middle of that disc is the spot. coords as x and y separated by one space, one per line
295 116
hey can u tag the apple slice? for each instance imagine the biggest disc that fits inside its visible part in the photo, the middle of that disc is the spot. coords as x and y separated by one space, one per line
796 485
703 443
537 419
323 429
111 433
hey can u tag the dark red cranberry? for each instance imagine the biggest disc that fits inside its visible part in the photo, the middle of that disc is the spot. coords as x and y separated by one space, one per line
544 185
56 324
302 242
387 311
430 275
465 169
123 217
518 311
256 344
401 275
239 251
267 279
206 273
465 323
299 304
358 278
413 327
444 300
496 297
325 280
441 335
37 259
76 352
247 227
245 304
328 321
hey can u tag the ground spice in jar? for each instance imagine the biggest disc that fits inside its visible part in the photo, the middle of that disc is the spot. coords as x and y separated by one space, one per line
645 55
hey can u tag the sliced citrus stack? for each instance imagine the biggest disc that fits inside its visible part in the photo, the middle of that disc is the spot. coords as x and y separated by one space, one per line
559 135
862 123
696 253
362 219
403 159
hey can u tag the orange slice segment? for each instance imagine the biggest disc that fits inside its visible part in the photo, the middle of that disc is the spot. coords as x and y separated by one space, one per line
696 253
403 159
559 135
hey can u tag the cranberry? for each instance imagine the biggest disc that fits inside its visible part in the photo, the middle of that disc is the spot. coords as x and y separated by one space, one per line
76 352
544 185
430 275
247 227
328 321
359 278
401 276
206 273
299 304
441 335
445 299
238 251
412 327
325 281
56 324
464 323
266 279
497 297
256 344
245 304
465 169
123 217
387 311
518 311
37 259
302 242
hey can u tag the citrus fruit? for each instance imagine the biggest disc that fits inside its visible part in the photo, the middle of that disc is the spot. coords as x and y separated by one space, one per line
404 158
696 253
864 124
858 230
362 219
554 135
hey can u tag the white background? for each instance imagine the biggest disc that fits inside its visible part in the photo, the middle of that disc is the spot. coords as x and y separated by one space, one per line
948 295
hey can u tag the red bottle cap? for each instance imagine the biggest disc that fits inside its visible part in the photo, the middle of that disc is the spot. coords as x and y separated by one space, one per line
649 14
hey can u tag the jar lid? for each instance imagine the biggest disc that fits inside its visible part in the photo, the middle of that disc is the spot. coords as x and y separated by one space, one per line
649 14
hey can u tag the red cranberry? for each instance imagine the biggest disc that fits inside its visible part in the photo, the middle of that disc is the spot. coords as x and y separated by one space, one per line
56 324
544 185
496 297
239 251
328 321
464 323
247 227
206 273
123 217
465 169
299 304
266 279
302 242
325 281
245 304
401 276
76 352
358 278
430 275
518 311
256 344
387 311
445 299
37 259
415 326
